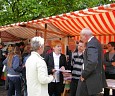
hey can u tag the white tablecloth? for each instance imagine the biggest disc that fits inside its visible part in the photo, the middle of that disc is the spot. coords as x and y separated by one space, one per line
111 83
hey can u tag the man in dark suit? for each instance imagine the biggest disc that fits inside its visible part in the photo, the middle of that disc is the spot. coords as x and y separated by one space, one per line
92 79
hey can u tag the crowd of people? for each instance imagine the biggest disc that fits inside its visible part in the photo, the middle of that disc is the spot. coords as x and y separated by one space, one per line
42 69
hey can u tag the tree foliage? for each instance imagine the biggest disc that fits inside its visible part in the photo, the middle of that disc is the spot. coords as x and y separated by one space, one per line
13 11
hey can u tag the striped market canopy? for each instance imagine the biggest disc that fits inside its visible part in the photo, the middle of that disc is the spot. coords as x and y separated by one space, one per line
101 20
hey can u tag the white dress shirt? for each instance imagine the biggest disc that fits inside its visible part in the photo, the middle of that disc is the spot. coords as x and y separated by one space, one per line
56 66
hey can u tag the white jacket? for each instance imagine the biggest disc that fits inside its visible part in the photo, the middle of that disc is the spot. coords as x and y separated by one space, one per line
37 76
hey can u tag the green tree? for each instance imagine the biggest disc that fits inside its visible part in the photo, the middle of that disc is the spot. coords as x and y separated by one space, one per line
13 11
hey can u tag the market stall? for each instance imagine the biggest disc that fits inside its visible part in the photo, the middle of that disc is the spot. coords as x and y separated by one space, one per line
101 20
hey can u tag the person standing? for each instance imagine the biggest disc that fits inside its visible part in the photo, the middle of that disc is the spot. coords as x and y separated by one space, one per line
47 48
77 61
55 61
25 55
70 49
109 61
14 68
92 79
36 70
1 65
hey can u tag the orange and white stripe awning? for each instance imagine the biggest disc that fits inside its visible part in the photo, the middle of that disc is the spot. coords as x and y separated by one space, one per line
101 20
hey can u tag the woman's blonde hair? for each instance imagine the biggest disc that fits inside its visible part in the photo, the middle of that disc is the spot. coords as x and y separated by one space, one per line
14 51
27 48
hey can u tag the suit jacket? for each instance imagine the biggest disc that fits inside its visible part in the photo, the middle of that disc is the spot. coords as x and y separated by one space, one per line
93 72
50 63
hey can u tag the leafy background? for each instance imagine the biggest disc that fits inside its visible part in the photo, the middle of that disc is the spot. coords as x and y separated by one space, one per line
13 11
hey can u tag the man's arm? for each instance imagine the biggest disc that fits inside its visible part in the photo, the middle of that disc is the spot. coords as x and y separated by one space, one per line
92 61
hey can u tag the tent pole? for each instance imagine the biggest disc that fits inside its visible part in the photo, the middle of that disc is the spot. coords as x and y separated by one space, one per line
0 38
45 34
38 33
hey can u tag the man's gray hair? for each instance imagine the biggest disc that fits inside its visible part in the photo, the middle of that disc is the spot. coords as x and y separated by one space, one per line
86 31
36 42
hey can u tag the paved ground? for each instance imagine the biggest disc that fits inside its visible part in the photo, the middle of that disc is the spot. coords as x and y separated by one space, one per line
3 92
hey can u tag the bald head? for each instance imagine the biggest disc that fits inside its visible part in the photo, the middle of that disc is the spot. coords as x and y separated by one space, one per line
85 34
86 31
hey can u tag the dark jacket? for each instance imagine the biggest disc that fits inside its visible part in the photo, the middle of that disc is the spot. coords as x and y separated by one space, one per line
1 58
109 68
93 72
50 63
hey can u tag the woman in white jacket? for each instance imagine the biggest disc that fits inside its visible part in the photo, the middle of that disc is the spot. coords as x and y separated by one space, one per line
36 70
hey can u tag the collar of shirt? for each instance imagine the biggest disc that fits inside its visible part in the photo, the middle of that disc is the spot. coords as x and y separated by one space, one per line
90 38
55 55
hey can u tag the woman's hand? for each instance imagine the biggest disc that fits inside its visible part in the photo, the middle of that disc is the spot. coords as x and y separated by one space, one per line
62 68
53 70
113 63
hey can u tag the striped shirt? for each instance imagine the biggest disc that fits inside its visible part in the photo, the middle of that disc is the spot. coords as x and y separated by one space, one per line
77 61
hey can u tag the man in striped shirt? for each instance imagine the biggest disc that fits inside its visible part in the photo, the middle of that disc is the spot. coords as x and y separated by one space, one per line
77 62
